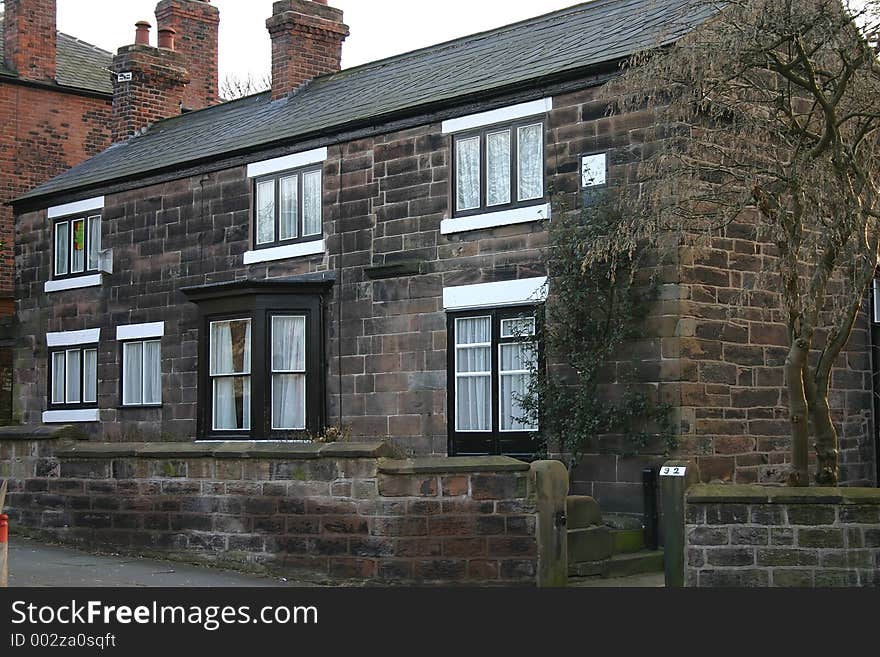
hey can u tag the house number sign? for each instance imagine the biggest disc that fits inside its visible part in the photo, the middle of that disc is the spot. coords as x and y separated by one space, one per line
672 471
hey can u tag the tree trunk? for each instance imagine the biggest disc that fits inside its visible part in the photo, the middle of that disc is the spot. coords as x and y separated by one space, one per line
827 469
794 380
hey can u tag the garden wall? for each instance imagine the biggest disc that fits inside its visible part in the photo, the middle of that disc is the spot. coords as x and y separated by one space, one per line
329 512
762 536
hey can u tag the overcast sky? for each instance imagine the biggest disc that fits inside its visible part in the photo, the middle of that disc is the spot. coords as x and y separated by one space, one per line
379 28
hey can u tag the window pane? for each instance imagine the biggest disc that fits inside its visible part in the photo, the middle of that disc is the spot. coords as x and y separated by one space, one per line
94 242
62 247
516 363
517 357
232 403
132 373
78 250
473 330
90 376
58 377
312 203
73 377
289 207
498 168
288 344
473 403
288 401
513 388
517 328
231 347
266 212
467 173
153 372
531 162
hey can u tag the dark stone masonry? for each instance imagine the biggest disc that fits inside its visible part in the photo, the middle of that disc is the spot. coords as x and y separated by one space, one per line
744 536
329 513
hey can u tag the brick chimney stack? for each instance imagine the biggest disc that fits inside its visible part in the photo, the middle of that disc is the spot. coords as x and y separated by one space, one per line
306 42
149 83
196 25
30 38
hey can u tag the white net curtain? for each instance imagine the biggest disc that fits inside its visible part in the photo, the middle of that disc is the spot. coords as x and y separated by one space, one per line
230 371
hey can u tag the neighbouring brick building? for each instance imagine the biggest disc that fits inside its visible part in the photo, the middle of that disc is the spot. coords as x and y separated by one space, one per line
55 109
361 248
54 112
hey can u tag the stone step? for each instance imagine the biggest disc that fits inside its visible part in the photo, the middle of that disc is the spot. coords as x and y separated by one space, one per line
619 565
582 511
589 544
628 540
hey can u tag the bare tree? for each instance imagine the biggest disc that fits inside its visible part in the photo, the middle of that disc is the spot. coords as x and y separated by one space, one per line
771 115
234 87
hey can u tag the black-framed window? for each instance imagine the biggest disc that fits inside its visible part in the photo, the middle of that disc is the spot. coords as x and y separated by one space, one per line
491 359
261 359
288 207
142 372
73 377
498 167
77 245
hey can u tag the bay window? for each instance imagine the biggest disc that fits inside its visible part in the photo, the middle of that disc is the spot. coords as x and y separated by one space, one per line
262 359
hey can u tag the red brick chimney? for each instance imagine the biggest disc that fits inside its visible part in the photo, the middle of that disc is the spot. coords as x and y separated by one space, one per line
29 38
306 42
196 25
149 83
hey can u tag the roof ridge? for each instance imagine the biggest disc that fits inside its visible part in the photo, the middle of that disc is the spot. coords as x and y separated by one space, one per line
573 9
85 43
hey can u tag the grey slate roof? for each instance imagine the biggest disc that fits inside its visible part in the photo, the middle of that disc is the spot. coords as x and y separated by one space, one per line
79 64
572 39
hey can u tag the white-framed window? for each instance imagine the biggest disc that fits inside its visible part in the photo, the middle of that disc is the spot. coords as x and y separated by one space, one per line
142 373
73 376
77 245
288 208
230 374
473 373
499 167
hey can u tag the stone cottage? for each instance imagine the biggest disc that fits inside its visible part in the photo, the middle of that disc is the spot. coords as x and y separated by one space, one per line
360 249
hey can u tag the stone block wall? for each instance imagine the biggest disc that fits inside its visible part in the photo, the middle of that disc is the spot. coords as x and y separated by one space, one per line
747 536
327 513
730 348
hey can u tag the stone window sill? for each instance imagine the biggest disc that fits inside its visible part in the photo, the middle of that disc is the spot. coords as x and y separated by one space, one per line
93 280
68 416
284 252
495 219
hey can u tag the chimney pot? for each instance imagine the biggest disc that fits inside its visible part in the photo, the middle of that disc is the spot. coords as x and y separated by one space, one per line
196 24
166 37
142 33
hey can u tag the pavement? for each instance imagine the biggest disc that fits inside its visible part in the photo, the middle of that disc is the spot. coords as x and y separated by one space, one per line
32 563
36 564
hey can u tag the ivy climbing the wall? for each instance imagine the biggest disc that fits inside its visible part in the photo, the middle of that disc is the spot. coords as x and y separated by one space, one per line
592 315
